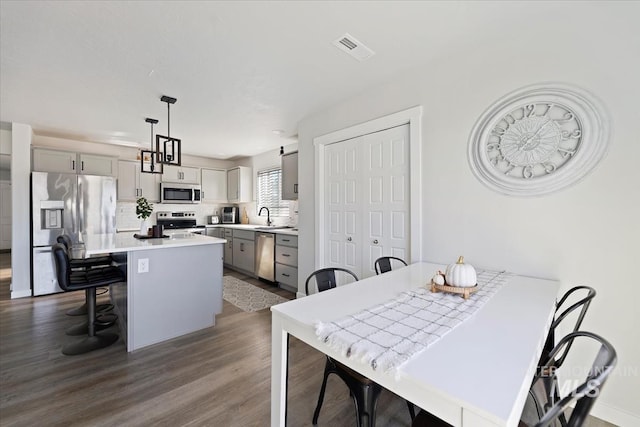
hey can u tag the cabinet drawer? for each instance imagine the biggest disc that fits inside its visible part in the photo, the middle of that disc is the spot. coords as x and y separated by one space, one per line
244 234
287 275
287 240
287 255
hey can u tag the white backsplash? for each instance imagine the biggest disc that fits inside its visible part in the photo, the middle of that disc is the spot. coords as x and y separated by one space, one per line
126 213
252 213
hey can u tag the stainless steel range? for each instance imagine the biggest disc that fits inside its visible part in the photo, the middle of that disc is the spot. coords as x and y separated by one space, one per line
183 221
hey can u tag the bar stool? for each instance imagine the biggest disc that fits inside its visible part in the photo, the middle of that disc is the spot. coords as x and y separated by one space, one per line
87 280
84 263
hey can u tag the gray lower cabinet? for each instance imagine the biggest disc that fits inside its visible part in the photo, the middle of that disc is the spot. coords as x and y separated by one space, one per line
287 261
244 250
228 247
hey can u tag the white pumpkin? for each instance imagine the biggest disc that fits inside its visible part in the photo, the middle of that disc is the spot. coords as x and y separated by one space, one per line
461 274
438 278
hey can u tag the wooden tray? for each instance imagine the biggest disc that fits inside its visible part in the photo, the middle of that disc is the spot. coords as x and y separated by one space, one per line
144 236
464 292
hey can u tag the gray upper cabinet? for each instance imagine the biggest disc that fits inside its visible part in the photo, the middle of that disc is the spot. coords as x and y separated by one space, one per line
90 164
290 176
181 174
214 185
132 183
45 160
239 184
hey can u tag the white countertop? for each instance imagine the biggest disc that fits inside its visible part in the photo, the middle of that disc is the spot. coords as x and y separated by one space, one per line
97 244
256 227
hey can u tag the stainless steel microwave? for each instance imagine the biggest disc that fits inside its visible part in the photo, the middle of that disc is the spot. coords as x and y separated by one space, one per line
179 193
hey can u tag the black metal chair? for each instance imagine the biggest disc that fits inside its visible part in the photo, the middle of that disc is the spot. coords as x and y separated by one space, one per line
383 264
84 263
583 304
87 280
544 407
364 391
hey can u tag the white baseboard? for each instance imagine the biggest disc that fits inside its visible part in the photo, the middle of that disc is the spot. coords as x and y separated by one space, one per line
614 415
21 294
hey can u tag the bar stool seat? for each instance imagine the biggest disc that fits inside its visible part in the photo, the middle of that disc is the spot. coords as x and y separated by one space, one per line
87 280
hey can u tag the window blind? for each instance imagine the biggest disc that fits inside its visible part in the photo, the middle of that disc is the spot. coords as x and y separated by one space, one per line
270 192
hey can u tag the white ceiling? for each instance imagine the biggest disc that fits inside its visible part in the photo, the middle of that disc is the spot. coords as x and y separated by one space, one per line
94 70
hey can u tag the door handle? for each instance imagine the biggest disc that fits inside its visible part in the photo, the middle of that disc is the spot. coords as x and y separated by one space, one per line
82 165
73 165
285 275
286 255
295 188
349 239
375 242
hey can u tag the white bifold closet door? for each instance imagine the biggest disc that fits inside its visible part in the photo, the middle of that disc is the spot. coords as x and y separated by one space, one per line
367 209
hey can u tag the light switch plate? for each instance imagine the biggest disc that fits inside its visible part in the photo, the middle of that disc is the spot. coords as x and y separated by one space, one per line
143 265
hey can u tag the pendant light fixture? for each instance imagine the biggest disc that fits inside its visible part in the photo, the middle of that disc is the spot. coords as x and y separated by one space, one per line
150 165
168 150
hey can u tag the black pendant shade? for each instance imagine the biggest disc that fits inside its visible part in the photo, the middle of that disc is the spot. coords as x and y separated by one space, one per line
148 163
168 149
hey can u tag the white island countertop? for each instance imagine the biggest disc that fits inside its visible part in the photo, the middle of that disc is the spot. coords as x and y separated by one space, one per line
99 244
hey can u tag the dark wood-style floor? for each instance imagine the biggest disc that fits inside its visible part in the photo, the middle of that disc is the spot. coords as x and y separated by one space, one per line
219 376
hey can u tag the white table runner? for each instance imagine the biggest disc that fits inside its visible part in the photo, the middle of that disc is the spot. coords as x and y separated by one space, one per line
388 335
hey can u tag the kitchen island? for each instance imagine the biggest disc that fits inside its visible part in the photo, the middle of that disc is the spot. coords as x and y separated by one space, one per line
173 287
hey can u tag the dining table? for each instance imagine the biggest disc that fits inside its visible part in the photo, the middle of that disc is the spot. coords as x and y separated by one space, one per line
477 374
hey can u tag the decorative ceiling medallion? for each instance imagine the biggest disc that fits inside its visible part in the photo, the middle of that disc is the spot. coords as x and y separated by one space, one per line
538 139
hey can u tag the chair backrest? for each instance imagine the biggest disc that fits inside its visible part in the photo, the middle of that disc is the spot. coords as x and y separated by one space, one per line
325 278
63 266
582 304
547 398
65 240
383 264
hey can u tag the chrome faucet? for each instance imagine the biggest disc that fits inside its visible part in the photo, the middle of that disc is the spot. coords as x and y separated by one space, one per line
268 216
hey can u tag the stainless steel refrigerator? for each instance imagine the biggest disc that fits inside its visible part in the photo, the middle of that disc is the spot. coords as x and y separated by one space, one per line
69 204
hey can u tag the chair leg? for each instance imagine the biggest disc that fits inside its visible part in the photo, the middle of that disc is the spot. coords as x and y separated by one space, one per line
82 310
412 410
93 341
316 413
366 400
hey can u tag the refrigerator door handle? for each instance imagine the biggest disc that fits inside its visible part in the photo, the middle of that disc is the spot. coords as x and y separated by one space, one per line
80 209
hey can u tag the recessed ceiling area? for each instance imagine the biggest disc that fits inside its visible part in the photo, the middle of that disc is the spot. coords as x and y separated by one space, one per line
94 70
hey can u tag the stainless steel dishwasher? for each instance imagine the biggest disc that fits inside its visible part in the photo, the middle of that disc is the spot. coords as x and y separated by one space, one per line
265 256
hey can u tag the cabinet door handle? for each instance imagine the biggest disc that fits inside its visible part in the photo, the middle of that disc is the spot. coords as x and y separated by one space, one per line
286 255
349 239
82 165
241 247
73 165
285 275
295 188
286 240
375 242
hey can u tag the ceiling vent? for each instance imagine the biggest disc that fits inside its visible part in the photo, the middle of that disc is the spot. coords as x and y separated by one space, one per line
353 47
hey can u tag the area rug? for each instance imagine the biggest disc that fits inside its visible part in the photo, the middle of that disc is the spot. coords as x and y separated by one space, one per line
248 297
